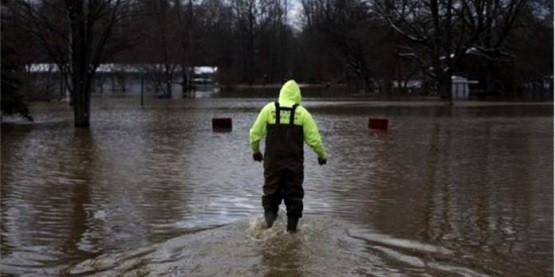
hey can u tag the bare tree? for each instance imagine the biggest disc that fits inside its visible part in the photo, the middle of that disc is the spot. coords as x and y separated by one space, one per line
369 43
246 16
187 22
439 33
531 45
274 39
78 36
12 69
214 30
353 31
161 33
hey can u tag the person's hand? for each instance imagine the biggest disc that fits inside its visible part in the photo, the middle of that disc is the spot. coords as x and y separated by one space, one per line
257 157
322 161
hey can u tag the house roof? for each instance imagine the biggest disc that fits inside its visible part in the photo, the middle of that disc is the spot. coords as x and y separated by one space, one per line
114 67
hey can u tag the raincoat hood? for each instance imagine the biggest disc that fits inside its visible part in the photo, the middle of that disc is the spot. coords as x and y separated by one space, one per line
290 93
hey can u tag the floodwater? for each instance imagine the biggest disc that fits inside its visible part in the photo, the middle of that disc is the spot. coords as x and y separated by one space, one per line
460 191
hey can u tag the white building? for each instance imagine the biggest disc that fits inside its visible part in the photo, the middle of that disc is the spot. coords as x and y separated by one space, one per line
459 87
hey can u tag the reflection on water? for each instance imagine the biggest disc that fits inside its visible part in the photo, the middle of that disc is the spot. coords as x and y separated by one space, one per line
466 190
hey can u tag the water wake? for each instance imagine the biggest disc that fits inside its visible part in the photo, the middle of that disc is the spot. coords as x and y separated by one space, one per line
322 247
258 231
244 248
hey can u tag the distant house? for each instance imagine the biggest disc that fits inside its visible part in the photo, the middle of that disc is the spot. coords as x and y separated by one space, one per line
117 79
499 77
45 82
460 87
204 75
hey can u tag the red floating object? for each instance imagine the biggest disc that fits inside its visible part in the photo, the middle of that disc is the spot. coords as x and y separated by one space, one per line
222 124
378 123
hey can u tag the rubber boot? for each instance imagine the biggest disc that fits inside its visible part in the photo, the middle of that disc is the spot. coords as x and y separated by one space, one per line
292 224
270 217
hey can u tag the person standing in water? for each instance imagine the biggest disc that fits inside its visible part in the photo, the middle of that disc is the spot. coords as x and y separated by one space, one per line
287 125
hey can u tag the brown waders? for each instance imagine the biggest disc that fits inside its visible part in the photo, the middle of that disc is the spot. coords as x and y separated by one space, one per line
283 169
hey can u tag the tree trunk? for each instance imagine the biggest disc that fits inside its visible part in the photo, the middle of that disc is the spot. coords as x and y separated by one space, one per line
185 82
81 97
168 89
444 87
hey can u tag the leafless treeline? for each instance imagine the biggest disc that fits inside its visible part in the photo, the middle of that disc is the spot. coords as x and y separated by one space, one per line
371 44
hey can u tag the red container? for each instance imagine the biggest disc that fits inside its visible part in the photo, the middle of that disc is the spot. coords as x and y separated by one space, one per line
222 124
378 124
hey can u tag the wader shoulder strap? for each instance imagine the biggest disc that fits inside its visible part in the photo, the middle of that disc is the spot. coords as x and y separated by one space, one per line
292 118
278 112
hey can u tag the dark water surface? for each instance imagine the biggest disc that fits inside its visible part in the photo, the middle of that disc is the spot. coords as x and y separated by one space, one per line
455 191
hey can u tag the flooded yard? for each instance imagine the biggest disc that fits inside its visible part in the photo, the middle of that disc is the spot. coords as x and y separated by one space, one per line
463 190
